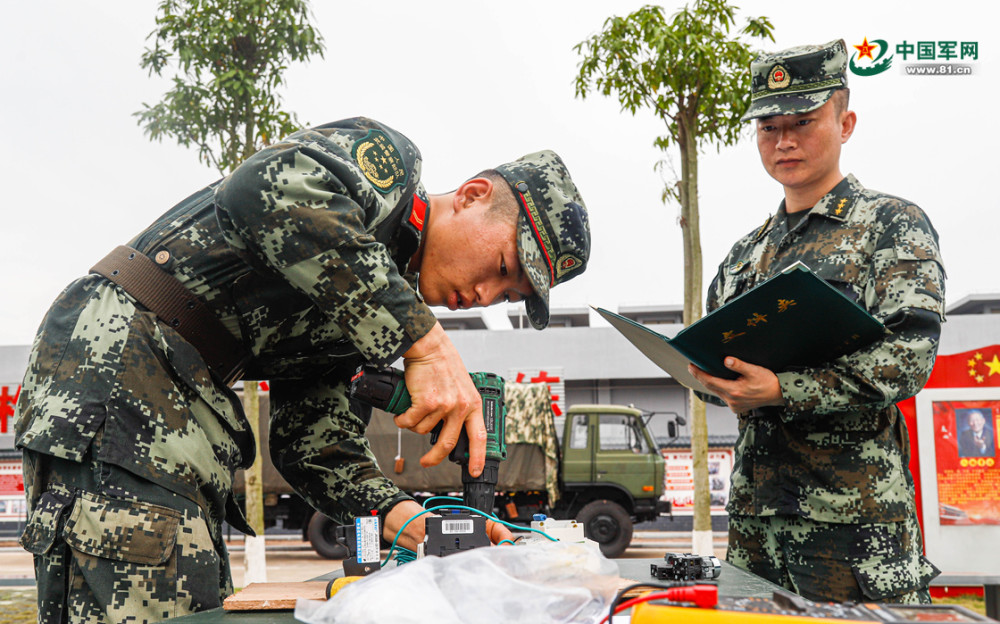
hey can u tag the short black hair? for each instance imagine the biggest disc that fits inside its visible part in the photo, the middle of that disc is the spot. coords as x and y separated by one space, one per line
504 204
841 100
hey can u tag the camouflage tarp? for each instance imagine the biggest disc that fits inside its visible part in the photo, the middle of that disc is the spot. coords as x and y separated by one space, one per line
530 422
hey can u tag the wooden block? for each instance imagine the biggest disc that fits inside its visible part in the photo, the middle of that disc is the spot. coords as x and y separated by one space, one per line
274 596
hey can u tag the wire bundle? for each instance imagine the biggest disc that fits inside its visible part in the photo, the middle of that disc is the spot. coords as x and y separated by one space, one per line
406 555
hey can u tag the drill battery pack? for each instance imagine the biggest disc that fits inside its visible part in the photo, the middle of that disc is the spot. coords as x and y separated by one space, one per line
452 533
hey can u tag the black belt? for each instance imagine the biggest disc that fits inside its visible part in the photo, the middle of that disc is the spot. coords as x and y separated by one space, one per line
162 294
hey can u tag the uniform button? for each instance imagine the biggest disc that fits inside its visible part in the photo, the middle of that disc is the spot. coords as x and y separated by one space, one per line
521 187
162 256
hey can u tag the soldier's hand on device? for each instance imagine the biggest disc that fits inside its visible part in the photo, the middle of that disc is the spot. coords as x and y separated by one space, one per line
414 532
442 390
755 387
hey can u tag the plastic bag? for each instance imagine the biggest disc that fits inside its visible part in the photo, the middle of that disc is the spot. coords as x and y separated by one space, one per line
548 583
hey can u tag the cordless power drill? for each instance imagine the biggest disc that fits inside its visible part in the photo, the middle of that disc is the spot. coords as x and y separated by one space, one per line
385 388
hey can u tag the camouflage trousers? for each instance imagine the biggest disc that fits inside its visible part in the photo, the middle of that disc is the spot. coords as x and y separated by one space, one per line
112 547
826 561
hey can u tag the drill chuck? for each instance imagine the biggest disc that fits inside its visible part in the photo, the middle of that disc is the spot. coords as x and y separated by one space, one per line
478 492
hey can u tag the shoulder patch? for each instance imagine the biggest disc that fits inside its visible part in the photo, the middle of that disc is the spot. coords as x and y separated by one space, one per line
380 161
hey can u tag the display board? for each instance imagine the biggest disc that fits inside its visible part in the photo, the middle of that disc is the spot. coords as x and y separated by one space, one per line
679 479
960 475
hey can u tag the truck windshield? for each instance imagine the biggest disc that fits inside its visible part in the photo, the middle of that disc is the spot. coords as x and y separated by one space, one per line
619 432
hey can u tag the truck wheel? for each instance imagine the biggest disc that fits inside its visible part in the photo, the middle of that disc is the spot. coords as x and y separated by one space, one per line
322 536
608 524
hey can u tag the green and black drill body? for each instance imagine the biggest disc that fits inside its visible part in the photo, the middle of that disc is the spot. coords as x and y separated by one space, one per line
385 388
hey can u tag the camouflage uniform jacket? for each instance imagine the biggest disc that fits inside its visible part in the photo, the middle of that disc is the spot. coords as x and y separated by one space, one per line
302 254
838 450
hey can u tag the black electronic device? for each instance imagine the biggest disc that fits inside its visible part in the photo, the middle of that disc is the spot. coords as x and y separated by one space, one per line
452 533
687 567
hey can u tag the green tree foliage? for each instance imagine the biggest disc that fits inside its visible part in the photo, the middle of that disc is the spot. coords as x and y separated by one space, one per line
228 59
691 72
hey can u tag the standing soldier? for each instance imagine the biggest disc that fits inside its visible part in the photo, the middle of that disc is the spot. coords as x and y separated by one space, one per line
317 254
822 500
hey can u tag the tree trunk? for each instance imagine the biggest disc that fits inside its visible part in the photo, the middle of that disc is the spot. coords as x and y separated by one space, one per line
701 536
254 554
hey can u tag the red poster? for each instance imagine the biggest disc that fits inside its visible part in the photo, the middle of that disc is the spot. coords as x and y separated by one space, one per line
968 473
11 478
679 479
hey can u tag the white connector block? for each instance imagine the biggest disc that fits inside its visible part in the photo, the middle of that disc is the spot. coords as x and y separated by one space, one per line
562 530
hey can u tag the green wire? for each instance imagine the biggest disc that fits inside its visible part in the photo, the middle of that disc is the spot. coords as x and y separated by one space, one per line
405 555
472 509
451 498
400 532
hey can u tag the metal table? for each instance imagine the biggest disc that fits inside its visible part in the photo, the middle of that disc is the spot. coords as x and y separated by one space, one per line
989 582
732 582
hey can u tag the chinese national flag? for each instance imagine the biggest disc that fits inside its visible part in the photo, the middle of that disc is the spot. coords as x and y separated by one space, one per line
970 369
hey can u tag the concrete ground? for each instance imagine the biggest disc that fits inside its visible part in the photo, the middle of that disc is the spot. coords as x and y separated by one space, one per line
295 560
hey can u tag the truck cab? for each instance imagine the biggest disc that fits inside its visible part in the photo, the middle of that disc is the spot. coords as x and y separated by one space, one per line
612 473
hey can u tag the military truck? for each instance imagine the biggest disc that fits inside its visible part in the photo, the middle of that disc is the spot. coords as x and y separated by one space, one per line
606 472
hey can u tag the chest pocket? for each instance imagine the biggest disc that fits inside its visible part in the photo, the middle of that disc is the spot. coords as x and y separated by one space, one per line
848 272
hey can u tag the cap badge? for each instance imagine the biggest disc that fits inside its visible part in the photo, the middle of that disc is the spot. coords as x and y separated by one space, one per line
380 161
778 78
567 263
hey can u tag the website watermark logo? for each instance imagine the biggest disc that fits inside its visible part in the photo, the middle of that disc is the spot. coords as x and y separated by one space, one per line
920 58
876 64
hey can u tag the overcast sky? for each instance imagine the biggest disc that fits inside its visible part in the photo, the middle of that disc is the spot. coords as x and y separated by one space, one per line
475 84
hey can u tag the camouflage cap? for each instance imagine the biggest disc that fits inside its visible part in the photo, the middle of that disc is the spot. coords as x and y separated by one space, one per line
797 80
553 234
